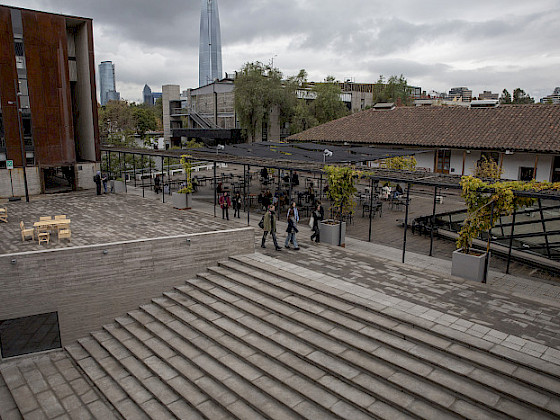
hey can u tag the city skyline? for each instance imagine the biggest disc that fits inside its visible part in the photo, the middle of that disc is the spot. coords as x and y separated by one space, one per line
436 44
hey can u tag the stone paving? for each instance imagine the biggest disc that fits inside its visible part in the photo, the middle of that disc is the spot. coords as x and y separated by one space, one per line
48 386
101 219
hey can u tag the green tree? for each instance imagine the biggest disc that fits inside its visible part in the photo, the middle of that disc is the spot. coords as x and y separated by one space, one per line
520 97
394 89
328 105
115 121
258 88
302 118
505 98
144 119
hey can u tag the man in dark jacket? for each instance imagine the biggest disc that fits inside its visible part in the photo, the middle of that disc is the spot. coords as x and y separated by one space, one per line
270 226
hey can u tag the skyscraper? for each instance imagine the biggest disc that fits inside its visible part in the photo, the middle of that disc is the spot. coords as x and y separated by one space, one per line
107 90
148 97
210 49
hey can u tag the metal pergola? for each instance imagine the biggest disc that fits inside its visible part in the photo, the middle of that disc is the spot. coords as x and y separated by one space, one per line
310 158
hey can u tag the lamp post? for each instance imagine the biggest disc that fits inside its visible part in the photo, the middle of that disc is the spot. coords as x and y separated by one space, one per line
326 153
21 144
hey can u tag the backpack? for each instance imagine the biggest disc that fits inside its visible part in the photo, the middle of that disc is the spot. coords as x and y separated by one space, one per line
96 178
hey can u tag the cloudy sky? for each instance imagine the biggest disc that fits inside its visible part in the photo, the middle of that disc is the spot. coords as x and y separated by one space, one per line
435 44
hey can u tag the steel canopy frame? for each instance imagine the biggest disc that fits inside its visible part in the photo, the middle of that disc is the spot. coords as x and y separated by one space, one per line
434 180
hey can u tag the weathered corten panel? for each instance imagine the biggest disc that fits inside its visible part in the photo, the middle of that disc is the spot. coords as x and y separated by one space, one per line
7 87
49 89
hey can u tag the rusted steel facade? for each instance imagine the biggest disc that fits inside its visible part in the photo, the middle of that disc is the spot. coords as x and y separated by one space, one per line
58 105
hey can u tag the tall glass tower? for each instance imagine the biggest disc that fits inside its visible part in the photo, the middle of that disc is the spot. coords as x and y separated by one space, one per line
107 90
210 49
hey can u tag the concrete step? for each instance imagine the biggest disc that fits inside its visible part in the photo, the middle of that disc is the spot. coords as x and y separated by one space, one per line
328 378
151 382
49 386
258 375
249 340
234 371
549 377
528 370
504 401
212 398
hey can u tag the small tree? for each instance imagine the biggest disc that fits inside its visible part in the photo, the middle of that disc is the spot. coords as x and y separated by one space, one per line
187 167
399 163
488 169
341 180
486 202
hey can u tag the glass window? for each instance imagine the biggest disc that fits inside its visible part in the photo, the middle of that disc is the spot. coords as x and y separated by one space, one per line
19 48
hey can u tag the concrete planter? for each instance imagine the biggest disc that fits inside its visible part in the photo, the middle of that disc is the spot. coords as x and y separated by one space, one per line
468 266
182 201
118 187
330 233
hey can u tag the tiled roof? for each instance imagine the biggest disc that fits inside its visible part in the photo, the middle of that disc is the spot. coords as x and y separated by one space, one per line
531 128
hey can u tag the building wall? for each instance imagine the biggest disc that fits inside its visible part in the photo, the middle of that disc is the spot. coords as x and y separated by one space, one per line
87 128
61 94
168 93
89 288
49 88
16 181
511 163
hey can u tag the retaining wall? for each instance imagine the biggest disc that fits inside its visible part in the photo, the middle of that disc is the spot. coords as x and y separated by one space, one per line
91 285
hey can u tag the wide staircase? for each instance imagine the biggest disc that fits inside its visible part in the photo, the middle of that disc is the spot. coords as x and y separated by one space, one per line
246 340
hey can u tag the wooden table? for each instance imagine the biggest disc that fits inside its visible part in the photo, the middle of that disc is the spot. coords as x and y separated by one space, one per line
50 224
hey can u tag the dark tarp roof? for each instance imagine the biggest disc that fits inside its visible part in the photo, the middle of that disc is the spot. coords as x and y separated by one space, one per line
312 152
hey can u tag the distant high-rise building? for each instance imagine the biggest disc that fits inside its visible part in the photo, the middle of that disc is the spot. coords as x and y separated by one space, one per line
463 94
148 97
210 49
107 89
488 95
552 99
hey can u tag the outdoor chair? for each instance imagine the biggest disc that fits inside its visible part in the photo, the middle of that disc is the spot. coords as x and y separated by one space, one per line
43 236
26 233
45 218
64 234
3 214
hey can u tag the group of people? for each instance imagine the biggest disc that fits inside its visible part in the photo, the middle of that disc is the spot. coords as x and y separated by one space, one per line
99 179
292 218
226 202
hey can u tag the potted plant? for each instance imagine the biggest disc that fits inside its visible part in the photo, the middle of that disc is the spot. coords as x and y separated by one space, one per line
118 186
486 202
182 199
341 191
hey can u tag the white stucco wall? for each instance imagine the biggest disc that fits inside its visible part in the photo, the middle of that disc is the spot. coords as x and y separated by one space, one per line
511 164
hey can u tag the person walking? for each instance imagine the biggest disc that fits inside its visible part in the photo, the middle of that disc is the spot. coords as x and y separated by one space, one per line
237 205
225 204
318 214
292 228
97 180
269 225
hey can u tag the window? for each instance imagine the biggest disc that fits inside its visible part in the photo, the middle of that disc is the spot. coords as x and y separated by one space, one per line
526 173
19 48
556 170
495 156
